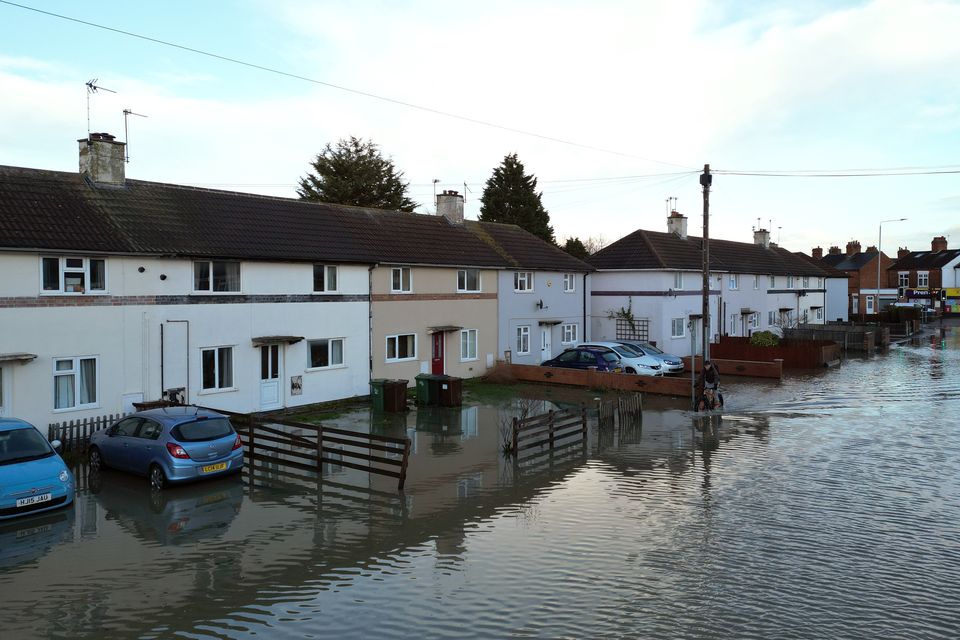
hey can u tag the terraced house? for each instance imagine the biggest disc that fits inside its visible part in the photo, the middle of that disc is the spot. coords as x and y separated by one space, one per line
648 285
117 291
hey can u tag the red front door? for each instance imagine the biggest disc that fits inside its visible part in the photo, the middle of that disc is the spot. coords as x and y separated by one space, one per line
437 361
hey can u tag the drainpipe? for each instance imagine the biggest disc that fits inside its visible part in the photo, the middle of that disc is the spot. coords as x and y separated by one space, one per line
370 321
585 336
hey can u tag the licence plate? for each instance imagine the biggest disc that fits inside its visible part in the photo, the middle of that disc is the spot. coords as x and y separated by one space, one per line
29 500
210 468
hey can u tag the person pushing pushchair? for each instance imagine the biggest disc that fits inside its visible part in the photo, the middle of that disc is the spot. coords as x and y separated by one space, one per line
709 384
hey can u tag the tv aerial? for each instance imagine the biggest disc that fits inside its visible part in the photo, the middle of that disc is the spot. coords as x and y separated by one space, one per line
93 87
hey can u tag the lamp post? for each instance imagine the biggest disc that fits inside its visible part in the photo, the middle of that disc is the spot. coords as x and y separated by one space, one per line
879 253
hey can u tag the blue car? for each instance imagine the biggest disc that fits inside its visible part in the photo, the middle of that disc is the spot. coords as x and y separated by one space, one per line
169 445
33 476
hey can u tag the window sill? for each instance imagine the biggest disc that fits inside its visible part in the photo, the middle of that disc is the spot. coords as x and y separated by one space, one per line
216 293
469 291
333 366
210 392
469 359
388 361
83 407
401 292
74 294
523 290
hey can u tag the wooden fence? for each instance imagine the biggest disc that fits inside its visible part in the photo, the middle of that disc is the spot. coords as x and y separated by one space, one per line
305 446
74 435
551 430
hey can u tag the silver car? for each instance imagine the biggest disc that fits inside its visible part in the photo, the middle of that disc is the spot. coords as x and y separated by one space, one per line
633 361
669 363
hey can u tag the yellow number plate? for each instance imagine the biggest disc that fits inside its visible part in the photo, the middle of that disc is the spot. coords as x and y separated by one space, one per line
210 468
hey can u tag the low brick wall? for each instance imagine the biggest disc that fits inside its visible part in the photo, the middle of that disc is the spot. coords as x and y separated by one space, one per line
661 385
749 368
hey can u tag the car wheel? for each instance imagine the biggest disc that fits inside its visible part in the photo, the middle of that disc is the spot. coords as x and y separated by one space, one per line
95 459
157 477
630 370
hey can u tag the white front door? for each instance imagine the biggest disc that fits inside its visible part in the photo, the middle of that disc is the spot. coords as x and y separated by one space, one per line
546 348
271 393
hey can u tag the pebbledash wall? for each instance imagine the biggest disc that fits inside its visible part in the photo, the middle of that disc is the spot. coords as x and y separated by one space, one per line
120 330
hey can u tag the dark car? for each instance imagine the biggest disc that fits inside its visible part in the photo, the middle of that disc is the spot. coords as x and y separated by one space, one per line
175 444
586 358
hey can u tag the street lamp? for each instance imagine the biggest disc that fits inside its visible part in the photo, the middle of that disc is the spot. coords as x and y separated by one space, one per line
879 253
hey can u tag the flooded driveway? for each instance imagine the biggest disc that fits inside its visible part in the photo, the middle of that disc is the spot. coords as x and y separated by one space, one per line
823 506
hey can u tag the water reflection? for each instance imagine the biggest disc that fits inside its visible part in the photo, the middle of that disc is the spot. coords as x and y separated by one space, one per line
750 523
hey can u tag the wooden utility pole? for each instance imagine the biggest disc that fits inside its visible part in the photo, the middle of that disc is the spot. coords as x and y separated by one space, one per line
706 179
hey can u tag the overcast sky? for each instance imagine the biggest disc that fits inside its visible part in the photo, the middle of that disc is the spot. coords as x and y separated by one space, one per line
651 91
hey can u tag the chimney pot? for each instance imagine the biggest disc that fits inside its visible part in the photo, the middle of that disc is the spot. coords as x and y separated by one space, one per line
834 250
853 247
871 249
817 253
902 252
938 244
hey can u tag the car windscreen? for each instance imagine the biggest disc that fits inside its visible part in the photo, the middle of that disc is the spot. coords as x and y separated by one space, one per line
627 351
200 430
20 445
650 347
610 356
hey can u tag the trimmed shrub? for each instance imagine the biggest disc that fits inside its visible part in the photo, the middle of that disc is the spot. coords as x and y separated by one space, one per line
764 339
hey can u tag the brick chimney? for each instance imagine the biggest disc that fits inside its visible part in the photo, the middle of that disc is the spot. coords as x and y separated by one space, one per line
817 253
902 252
871 249
853 247
762 238
102 159
938 244
450 206
677 223
834 251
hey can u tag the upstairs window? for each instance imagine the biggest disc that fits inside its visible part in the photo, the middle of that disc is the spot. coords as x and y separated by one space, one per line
569 282
678 280
773 282
903 279
734 281
523 281
216 275
400 280
756 282
789 282
468 281
73 275
806 282
325 278
923 279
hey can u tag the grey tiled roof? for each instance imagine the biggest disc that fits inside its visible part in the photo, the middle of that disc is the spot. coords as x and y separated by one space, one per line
655 250
843 262
60 211
925 260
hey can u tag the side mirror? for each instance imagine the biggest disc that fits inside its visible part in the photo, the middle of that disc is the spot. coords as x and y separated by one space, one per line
57 446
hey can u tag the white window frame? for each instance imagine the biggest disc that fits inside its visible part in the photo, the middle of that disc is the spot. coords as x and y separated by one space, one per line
463 284
332 365
903 279
63 271
789 282
569 282
819 313
806 282
569 333
754 320
217 374
923 279
75 371
756 282
325 271
678 322
468 345
523 281
397 275
868 304
523 340
771 319
678 280
210 283
396 344
733 281
773 282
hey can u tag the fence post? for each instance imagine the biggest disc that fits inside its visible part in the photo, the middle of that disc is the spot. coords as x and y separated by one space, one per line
516 429
550 423
403 467
320 451
583 424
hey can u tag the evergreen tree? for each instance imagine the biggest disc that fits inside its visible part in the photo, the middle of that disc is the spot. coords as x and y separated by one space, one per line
576 248
355 173
511 196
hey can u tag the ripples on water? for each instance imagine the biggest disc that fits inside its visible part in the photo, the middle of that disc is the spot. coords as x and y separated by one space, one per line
825 506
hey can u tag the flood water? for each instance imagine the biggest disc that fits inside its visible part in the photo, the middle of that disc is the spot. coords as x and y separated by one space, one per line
826 505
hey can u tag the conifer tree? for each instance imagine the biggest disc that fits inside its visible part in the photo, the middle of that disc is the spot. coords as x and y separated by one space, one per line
576 248
511 196
355 173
